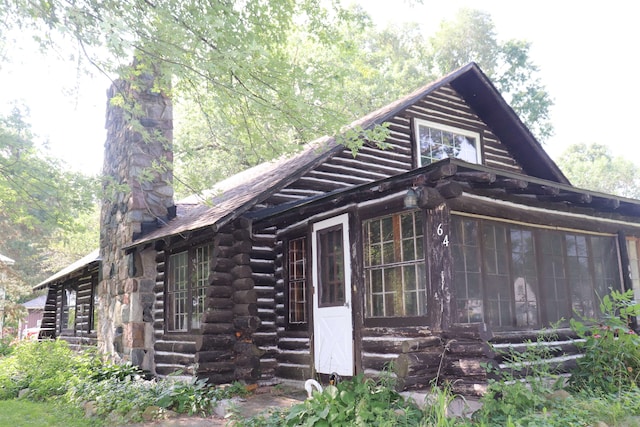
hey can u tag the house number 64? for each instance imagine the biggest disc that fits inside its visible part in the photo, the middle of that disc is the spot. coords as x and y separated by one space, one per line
440 232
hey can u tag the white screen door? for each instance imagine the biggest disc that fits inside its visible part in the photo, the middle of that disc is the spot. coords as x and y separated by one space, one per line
332 319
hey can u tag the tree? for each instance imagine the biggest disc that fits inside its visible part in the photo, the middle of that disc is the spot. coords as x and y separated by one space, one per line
593 167
38 197
471 36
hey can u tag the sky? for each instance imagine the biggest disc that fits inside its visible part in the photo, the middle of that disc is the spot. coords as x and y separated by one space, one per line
587 52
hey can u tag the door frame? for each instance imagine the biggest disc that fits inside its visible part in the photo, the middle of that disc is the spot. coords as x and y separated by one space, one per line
343 313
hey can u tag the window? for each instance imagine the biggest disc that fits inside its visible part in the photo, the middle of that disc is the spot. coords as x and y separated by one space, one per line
94 308
510 275
394 267
68 317
297 281
436 142
186 288
633 252
331 267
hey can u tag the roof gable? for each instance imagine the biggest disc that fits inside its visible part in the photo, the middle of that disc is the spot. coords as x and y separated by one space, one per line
320 166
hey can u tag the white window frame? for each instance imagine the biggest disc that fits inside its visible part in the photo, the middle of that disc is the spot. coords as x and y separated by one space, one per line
427 123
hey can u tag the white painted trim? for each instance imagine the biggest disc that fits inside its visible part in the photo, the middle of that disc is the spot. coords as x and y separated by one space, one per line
535 209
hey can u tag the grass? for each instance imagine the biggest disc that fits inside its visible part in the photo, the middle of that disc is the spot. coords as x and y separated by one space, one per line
18 413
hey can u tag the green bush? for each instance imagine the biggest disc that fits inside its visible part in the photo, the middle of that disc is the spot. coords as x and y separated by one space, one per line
46 368
611 360
359 401
6 346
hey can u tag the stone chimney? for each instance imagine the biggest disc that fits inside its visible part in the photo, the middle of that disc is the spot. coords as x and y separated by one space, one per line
137 196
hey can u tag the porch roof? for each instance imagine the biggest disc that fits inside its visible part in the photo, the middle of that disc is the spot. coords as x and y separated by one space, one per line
70 270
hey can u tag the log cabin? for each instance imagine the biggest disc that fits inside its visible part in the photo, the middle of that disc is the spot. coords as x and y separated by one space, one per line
460 238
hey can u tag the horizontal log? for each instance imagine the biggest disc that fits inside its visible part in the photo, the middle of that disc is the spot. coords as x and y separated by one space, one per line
219 303
466 387
245 310
418 382
216 328
486 177
470 348
246 296
218 377
461 367
216 367
444 171
471 331
174 359
242 234
243 246
223 239
215 342
242 259
297 373
295 358
247 349
241 272
429 198
217 316
293 345
376 363
219 291
213 356
420 344
247 324
382 346
243 284
409 332
417 363
247 373
218 278
175 346
221 264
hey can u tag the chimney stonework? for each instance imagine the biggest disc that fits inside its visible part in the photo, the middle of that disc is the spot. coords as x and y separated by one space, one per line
136 193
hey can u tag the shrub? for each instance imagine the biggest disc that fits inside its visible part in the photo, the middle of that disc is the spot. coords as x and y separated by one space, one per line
46 368
522 388
359 401
6 346
611 360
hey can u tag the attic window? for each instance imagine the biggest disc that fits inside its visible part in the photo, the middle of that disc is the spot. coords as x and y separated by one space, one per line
436 142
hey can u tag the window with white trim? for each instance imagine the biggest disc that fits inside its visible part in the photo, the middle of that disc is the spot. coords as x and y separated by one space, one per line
435 141
187 280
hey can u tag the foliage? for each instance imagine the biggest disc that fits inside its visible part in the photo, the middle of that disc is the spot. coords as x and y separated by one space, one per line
25 413
359 401
39 201
592 166
47 369
471 36
523 387
6 346
611 360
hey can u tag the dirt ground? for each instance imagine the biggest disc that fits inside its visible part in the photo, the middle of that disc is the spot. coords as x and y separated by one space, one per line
260 401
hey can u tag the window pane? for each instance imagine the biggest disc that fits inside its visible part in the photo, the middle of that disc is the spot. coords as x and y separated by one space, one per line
331 267
297 281
554 283
396 282
436 144
177 292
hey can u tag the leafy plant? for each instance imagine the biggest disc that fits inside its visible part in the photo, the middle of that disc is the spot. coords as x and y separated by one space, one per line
523 387
360 401
611 360
6 346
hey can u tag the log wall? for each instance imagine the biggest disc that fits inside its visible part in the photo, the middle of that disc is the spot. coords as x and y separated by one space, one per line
343 170
82 334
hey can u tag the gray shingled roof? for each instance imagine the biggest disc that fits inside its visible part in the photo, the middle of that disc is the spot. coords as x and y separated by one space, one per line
94 256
